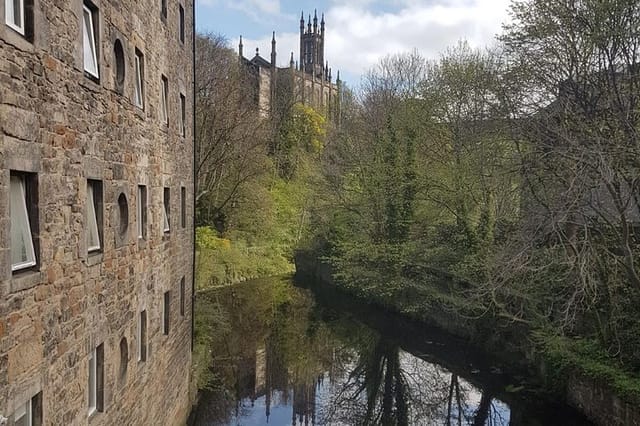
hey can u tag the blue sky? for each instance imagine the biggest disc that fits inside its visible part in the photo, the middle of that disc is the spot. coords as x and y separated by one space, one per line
358 32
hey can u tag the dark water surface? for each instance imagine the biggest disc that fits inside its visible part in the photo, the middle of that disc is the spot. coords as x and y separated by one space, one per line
284 355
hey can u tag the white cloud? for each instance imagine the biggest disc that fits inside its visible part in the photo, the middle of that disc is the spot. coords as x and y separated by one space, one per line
285 44
358 36
256 8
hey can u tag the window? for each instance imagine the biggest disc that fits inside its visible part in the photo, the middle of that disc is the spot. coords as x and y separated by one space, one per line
166 211
139 88
166 312
163 10
183 115
124 357
182 295
183 207
118 54
90 39
164 108
123 212
14 14
142 212
23 218
29 413
142 337
94 215
96 379
181 24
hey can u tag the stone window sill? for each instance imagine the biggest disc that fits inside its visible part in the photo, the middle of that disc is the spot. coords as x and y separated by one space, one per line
139 111
25 280
93 415
94 258
142 243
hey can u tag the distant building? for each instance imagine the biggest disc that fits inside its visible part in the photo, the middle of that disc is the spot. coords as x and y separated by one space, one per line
308 80
96 202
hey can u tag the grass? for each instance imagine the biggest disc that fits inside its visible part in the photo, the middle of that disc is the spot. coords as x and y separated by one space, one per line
584 357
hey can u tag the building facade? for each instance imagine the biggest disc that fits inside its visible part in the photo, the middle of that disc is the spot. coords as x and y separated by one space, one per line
308 81
96 211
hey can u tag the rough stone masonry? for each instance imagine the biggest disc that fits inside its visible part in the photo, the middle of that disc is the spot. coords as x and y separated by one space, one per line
96 134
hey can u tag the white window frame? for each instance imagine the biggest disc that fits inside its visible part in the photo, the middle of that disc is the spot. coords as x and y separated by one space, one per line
138 93
92 219
10 16
93 384
164 100
142 204
89 37
25 410
140 342
20 216
166 227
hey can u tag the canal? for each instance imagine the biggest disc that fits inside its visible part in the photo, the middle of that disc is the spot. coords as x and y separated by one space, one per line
283 354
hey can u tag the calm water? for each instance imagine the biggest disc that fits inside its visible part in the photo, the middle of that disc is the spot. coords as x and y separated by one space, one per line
283 355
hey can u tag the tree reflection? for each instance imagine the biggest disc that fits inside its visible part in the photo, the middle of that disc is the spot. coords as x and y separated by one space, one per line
389 387
283 361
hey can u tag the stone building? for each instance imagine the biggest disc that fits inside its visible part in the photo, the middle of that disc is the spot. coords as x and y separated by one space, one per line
96 202
308 81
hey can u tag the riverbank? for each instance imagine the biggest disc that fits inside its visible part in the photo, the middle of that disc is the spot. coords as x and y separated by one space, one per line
571 369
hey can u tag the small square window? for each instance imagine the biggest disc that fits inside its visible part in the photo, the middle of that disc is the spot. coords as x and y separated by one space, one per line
183 115
142 336
166 312
181 24
29 413
164 104
166 219
23 202
139 81
142 212
94 215
90 39
182 296
183 206
96 379
14 14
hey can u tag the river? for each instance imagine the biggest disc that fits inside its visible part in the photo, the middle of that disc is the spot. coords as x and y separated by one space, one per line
286 355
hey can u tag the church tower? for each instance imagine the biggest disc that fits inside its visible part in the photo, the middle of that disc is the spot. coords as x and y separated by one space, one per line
312 47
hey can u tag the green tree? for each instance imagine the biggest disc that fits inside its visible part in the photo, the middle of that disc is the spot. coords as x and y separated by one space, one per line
575 64
231 138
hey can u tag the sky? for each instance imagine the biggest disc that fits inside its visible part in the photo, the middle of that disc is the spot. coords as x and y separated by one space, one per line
358 32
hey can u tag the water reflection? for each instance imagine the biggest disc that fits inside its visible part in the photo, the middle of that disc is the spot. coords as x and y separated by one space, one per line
282 357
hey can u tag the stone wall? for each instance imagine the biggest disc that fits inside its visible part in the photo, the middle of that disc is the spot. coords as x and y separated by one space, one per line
65 127
600 403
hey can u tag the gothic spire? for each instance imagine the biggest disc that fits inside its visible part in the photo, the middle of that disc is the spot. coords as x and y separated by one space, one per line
240 46
273 50
315 20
